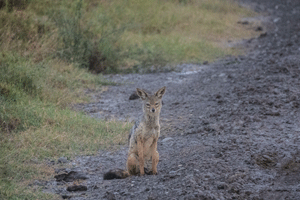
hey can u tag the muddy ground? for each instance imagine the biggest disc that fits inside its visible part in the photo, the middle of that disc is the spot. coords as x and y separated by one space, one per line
230 129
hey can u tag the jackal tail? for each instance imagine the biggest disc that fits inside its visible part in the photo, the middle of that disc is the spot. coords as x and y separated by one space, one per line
115 174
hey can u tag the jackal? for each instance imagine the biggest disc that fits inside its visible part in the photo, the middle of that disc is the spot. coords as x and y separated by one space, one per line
142 154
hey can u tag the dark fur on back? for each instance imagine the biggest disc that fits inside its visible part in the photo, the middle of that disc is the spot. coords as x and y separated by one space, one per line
131 133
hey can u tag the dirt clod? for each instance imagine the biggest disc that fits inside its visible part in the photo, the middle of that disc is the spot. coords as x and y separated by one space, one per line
74 188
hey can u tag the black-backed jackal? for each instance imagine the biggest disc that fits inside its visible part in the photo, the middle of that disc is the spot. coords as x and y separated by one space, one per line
142 154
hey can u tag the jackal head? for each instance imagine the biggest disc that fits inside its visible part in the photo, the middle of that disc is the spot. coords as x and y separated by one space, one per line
151 103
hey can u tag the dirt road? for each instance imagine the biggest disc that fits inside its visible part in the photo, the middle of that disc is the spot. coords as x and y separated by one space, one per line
230 129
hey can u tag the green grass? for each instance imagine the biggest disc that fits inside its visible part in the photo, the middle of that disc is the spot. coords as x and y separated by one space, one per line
106 36
159 32
48 50
36 122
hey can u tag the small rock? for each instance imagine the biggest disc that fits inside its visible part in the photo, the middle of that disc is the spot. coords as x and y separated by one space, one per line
61 170
52 162
65 196
243 22
62 160
276 20
259 28
173 174
218 155
263 35
273 113
133 96
267 158
95 187
167 139
190 131
110 195
221 186
71 176
36 182
190 197
150 197
76 188
234 189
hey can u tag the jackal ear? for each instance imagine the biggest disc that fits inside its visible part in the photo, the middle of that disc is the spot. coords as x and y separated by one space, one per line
141 93
160 93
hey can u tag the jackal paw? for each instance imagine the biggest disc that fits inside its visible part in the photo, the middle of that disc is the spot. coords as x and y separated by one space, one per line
147 171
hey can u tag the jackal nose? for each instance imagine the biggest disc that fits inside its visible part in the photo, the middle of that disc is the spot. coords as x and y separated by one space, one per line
153 110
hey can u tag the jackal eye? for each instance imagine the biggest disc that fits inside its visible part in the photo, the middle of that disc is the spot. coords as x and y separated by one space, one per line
147 104
156 104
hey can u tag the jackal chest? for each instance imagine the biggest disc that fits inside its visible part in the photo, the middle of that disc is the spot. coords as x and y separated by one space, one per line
150 132
150 136
147 135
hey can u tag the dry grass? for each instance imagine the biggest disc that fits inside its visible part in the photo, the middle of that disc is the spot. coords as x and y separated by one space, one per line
173 31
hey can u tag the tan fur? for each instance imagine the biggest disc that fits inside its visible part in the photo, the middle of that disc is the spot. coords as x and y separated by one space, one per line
142 153
143 143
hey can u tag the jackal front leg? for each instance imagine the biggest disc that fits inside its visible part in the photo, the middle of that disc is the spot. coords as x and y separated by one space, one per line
140 145
155 156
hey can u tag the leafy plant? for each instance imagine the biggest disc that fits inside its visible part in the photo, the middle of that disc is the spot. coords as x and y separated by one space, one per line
75 46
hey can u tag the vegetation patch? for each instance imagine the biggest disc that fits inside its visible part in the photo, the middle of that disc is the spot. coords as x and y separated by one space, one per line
49 48
36 123
110 36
